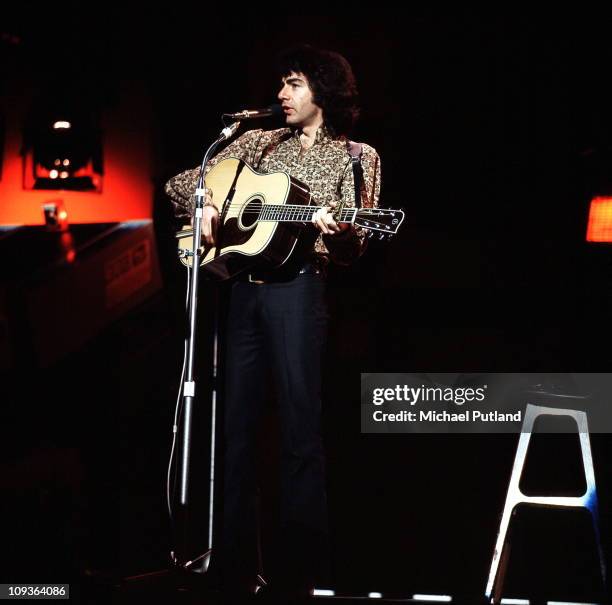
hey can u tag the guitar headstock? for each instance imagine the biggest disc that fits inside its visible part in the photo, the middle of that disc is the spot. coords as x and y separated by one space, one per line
382 222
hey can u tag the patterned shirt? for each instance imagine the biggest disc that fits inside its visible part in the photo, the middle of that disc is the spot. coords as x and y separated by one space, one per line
325 168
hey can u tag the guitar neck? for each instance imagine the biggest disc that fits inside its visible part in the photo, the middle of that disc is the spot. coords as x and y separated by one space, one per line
299 214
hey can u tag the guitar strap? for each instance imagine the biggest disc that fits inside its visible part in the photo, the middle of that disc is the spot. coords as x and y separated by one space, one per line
355 150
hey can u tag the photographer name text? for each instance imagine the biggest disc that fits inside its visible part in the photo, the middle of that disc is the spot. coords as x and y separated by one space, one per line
444 416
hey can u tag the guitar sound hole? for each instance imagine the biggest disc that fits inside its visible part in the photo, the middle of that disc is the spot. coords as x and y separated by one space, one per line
250 213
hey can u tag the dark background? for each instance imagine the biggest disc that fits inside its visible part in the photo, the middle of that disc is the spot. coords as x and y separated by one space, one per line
494 134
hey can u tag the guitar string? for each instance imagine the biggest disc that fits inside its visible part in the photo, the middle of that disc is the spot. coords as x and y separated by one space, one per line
280 213
290 214
287 210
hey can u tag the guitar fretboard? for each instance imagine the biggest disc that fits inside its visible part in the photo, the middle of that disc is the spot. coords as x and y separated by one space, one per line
290 213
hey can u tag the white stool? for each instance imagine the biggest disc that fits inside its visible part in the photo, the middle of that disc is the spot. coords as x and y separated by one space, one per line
588 500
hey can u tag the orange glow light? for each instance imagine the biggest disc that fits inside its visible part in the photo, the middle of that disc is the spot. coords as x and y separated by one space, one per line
599 228
125 193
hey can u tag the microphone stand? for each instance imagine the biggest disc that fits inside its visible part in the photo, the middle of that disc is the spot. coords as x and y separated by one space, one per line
201 563
180 554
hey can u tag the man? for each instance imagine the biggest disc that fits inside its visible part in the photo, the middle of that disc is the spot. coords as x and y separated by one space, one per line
278 320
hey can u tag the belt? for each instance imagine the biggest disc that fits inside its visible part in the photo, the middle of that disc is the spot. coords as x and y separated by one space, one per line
272 277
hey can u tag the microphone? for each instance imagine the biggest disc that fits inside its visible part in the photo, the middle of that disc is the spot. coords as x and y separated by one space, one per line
250 114
229 131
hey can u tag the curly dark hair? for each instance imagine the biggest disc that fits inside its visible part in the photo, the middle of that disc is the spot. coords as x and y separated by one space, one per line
332 83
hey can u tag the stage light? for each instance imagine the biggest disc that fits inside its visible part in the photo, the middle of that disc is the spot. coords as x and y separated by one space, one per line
432 598
61 153
505 601
322 592
599 228
568 603
375 595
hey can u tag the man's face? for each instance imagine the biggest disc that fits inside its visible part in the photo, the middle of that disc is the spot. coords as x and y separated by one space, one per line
297 102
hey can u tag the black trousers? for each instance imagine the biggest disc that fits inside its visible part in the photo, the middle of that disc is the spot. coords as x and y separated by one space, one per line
283 325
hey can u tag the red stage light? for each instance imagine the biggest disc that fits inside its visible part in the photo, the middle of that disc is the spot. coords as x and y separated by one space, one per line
599 228
109 181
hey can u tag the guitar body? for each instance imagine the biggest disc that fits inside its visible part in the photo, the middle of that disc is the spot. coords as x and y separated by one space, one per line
240 194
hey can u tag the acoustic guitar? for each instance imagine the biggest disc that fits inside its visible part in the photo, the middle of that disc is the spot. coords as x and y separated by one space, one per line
264 217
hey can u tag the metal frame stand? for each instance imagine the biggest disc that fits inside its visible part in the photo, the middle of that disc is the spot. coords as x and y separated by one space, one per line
514 497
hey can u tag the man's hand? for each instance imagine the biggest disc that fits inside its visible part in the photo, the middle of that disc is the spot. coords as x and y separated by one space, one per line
210 220
324 222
